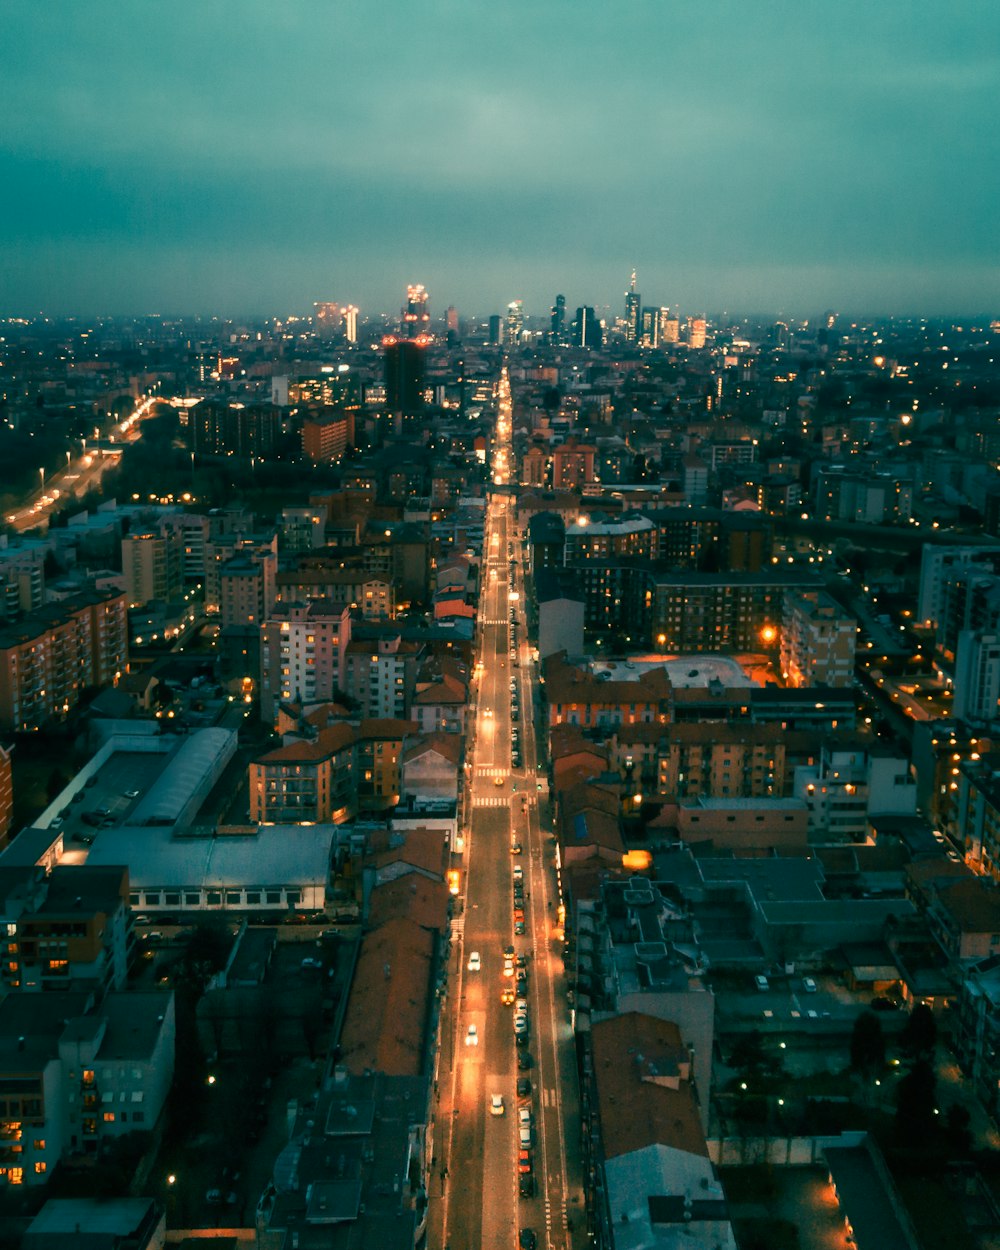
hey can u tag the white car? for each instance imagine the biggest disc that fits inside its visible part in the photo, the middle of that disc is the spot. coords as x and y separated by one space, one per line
508 967
521 1007
518 872
761 983
475 964
809 985
472 1036
496 1104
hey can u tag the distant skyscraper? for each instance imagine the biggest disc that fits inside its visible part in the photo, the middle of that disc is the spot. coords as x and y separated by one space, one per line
327 319
515 322
670 327
633 303
558 320
650 327
696 332
586 328
351 323
404 375
496 330
416 317
451 319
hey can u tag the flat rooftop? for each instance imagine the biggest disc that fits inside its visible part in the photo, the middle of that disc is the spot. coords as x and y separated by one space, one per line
685 671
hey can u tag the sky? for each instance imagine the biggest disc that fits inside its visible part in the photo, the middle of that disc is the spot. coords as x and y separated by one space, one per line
781 156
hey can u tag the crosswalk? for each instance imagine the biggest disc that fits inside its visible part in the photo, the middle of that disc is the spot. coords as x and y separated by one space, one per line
490 800
491 772
457 926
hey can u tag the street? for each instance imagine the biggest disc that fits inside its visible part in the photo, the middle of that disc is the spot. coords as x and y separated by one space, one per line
479 1194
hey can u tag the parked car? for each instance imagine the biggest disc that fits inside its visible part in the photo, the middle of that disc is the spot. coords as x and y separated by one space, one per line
761 983
524 1087
309 962
809 985
526 1185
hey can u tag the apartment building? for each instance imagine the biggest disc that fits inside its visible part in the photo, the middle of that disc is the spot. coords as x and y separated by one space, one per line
817 641
75 1074
6 796
152 566
306 780
303 649
379 674
49 657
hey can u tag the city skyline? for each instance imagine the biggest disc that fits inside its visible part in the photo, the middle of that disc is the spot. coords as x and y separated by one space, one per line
787 165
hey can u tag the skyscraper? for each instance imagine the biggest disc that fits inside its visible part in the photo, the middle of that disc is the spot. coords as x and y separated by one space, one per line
496 330
351 323
404 375
416 317
650 327
327 319
586 328
633 303
558 321
515 322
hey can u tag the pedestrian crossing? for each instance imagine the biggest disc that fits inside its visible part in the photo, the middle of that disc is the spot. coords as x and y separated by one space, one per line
490 800
491 772
457 926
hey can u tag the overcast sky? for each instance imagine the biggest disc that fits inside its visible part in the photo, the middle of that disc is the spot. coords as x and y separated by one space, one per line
777 156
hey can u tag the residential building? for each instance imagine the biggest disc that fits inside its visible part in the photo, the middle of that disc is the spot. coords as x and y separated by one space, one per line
302 654
306 780
152 566
817 641
79 1074
66 930
52 655
6 796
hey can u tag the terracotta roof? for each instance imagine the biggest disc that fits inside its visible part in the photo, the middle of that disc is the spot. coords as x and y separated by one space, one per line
423 849
447 690
567 740
449 746
414 897
327 742
973 904
386 727
386 1015
637 1059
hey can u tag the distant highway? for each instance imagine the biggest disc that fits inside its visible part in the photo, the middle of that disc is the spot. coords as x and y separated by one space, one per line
79 475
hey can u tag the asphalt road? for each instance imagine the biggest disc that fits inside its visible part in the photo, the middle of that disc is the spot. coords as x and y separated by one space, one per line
475 1187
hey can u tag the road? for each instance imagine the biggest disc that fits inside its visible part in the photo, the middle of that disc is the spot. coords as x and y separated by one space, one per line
475 1192
80 475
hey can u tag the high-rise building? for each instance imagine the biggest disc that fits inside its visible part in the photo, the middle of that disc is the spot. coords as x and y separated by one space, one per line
586 328
451 319
650 327
817 641
496 330
327 319
633 304
404 375
351 323
152 566
235 430
696 332
515 322
6 796
558 319
416 317
670 327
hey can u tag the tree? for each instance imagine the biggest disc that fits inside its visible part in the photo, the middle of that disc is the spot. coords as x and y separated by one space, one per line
915 1104
867 1044
919 1036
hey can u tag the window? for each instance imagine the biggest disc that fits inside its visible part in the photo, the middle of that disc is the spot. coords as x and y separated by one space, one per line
15 1176
41 1167
233 898
39 1143
109 1117
192 900
214 898
253 897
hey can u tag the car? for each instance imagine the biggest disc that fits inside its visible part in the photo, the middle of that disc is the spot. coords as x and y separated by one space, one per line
520 1025
518 872
521 1006
522 981
524 1164
488 712
86 838
64 812
475 963
518 915
524 1136
496 1104
508 951
524 1087
310 963
498 781
508 967
514 714
91 818
108 822
507 996
526 1239
131 794
809 985
515 848
526 1185
524 1115
91 781
519 928
761 983
472 1036
78 797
